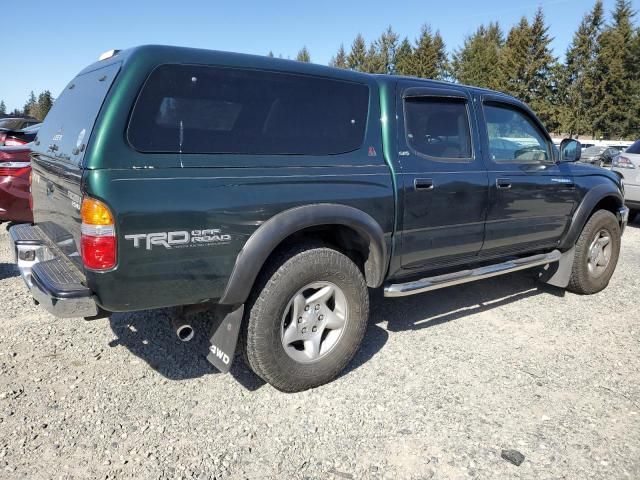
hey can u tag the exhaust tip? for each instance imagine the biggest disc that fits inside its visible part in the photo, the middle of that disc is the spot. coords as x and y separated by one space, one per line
185 333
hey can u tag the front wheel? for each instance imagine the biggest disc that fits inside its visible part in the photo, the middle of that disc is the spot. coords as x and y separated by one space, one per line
596 254
307 319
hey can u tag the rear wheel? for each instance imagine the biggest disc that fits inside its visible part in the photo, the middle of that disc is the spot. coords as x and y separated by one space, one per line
307 318
596 254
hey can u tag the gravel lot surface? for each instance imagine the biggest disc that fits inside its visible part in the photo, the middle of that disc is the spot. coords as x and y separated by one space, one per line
444 383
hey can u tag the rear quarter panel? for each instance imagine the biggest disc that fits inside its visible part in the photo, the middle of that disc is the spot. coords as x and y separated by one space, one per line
235 194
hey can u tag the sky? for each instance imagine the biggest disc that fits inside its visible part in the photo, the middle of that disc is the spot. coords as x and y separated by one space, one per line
53 40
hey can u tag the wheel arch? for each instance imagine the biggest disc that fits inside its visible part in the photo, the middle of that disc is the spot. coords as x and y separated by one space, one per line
350 229
602 197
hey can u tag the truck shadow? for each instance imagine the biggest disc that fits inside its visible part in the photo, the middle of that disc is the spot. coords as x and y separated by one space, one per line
149 335
441 306
8 270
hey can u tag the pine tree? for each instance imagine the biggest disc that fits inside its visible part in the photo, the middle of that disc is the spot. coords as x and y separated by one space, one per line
475 63
429 57
3 108
303 55
31 104
270 54
526 69
45 102
340 59
374 61
543 74
404 56
358 54
614 75
579 74
387 46
511 68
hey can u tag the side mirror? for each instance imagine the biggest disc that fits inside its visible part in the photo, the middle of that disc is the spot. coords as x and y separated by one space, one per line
570 150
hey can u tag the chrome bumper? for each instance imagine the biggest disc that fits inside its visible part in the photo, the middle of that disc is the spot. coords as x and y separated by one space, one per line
54 282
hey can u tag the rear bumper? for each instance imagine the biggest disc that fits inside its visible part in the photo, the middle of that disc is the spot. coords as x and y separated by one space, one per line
54 282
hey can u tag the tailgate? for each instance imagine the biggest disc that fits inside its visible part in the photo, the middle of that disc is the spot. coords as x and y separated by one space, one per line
58 155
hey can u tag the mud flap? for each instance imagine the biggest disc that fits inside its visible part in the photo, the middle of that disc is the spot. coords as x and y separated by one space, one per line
558 274
224 339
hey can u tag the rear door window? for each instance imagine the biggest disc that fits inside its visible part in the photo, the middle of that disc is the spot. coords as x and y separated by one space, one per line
204 109
438 128
65 132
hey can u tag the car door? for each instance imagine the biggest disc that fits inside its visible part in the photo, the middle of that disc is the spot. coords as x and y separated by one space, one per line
531 196
443 181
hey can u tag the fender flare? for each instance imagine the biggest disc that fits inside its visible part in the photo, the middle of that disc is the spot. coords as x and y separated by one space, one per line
270 234
582 213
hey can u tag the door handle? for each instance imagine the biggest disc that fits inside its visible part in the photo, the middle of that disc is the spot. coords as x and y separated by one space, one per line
423 184
503 183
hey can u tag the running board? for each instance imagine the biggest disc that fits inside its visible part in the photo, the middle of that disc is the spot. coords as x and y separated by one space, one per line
464 276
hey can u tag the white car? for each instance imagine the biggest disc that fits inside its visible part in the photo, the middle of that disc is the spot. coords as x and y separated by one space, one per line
627 164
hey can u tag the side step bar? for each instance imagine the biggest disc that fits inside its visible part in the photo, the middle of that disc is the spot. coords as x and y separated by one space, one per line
464 276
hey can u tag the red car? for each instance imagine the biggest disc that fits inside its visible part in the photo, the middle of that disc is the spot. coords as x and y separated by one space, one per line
15 168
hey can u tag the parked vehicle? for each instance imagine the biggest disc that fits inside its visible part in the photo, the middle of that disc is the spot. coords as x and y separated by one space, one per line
627 165
15 168
21 137
13 124
600 156
279 191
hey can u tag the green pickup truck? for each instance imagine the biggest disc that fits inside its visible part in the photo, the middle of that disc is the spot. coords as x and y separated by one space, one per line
278 192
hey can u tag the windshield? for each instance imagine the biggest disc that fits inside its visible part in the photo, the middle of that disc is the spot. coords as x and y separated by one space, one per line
11 123
635 148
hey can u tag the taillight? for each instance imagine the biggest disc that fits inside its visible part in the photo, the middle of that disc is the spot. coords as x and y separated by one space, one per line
98 240
14 142
3 136
14 169
622 162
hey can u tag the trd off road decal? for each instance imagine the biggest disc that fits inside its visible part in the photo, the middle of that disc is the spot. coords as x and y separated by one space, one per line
179 239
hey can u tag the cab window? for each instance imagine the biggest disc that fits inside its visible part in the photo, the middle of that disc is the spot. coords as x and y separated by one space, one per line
514 137
438 128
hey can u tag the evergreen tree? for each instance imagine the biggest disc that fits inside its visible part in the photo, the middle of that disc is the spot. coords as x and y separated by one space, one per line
429 57
374 61
3 108
31 104
543 73
579 74
270 54
614 74
475 63
303 55
387 46
404 56
44 104
526 69
358 55
340 59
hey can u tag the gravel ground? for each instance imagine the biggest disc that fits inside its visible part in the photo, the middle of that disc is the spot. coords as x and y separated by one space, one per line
444 383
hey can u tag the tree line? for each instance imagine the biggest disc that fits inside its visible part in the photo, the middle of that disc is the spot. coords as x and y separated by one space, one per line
36 107
594 92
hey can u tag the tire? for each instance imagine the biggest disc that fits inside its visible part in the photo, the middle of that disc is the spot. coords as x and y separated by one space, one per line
307 271
591 272
632 215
